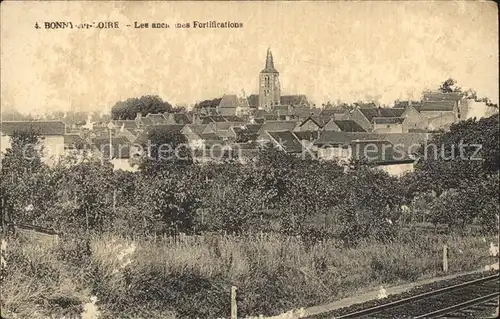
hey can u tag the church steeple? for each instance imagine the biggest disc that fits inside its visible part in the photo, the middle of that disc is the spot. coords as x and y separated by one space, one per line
269 63
269 84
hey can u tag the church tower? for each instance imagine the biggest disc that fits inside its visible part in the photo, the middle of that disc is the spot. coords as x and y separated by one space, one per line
269 85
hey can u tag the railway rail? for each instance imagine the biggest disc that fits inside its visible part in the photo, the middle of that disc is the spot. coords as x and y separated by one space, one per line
476 298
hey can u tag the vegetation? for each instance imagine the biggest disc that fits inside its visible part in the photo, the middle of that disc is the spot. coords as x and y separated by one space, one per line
192 278
128 109
288 232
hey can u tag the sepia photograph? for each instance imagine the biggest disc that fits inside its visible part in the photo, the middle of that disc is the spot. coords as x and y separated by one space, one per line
252 159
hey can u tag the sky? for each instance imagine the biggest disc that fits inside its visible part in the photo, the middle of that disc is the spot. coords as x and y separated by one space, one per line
330 51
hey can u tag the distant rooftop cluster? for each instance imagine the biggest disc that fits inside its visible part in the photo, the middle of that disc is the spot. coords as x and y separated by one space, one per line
246 123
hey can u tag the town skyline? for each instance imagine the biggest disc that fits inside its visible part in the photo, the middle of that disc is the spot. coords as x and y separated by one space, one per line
388 55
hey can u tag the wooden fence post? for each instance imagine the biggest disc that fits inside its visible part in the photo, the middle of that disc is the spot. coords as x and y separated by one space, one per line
234 308
445 258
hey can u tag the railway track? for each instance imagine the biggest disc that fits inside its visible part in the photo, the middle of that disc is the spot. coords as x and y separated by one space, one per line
476 298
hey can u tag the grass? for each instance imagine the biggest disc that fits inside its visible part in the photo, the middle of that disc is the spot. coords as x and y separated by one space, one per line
193 278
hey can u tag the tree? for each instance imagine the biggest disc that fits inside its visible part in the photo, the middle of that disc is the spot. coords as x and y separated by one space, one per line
469 151
170 199
128 109
164 149
24 190
24 153
449 86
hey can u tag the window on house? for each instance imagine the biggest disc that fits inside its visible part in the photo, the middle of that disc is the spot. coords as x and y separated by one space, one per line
388 126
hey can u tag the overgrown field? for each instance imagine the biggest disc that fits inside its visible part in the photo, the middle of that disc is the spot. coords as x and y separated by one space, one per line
153 278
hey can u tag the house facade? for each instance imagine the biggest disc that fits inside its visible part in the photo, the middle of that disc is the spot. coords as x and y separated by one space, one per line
51 137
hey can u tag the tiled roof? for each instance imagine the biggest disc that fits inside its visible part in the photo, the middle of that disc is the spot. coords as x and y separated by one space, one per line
42 127
225 134
331 112
405 104
272 117
209 136
287 141
261 114
275 126
218 118
408 141
440 96
349 126
147 120
253 128
432 106
75 141
196 128
319 121
127 124
206 119
121 146
281 109
253 100
370 113
379 152
157 118
301 111
388 120
307 135
181 118
334 138
294 100
229 101
233 118
224 125
366 105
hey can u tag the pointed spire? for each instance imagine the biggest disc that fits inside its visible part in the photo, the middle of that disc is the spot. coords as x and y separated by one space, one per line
269 62
269 59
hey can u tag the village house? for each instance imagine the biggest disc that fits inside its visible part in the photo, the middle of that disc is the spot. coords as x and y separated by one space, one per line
274 126
439 114
371 147
51 137
364 116
440 109
286 141
77 147
334 113
320 123
142 121
157 119
193 133
313 123
178 118
207 107
388 124
118 150
388 120
228 105
343 126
